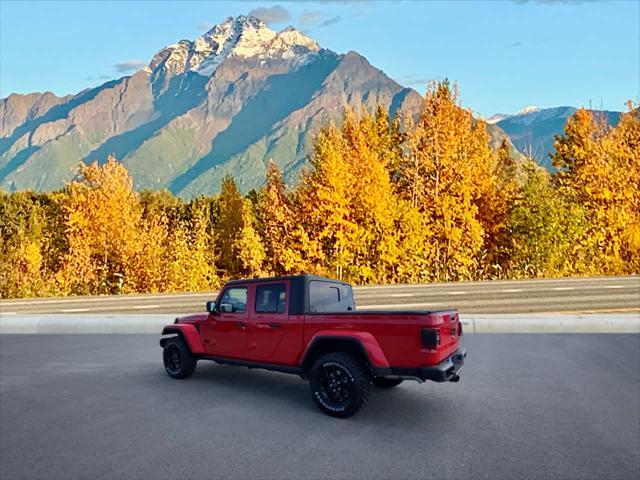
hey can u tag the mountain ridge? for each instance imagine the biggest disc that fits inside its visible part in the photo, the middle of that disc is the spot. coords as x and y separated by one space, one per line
532 131
224 103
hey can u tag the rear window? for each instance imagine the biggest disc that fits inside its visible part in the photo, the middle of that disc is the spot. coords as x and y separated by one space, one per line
330 297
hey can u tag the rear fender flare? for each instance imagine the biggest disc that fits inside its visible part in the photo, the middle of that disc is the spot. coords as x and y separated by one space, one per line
188 333
366 341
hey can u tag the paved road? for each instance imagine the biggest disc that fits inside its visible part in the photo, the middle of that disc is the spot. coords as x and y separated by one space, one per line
588 295
528 406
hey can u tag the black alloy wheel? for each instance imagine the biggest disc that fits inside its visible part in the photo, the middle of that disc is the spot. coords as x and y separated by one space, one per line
339 384
179 362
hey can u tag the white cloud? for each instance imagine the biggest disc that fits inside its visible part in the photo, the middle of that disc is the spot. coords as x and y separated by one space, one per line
275 14
129 66
316 18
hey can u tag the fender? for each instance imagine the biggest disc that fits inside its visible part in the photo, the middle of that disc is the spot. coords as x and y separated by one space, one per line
368 342
189 334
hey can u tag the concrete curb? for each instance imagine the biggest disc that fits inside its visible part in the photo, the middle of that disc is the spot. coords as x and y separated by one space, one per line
552 323
81 324
152 324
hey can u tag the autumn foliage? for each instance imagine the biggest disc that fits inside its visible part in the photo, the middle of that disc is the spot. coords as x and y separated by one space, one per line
385 200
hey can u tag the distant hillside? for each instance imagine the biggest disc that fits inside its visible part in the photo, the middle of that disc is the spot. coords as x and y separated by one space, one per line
532 130
225 103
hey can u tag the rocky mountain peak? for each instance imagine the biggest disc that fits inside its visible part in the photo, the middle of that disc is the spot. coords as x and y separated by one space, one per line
241 36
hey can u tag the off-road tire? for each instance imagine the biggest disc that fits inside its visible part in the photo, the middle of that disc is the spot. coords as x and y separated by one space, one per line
382 382
339 384
179 362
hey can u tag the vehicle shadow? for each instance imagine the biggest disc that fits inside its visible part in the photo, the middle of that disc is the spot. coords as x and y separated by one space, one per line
252 386
278 394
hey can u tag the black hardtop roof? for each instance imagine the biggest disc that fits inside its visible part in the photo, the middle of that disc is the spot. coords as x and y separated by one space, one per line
305 277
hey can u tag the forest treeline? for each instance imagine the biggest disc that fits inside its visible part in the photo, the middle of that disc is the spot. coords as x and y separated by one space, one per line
384 201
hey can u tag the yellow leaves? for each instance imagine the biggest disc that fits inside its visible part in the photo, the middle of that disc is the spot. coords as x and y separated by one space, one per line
384 201
449 168
600 170
241 249
284 238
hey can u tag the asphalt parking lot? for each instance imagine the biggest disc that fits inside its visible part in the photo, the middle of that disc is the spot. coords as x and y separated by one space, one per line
528 406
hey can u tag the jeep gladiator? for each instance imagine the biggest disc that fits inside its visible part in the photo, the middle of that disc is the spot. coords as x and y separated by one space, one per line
309 326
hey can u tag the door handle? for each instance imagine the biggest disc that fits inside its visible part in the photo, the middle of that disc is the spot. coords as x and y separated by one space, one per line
241 325
275 325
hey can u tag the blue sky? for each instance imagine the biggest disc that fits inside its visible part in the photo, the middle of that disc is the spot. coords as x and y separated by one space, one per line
504 54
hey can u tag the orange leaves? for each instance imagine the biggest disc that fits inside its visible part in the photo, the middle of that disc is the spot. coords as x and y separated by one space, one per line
241 249
446 175
102 219
287 246
600 167
384 201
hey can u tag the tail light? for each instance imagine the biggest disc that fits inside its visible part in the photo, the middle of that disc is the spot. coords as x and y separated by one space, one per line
430 337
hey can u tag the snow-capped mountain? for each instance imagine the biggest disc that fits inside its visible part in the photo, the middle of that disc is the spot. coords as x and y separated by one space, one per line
223 103
245 37
497 117
532 129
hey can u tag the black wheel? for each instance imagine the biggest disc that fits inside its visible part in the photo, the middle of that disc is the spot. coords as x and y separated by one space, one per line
386 382
339 384
178 359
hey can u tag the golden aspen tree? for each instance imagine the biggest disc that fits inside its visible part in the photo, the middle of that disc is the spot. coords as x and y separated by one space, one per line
350 208
446 175
544 229
247 245
322 200
190 259
23 242
153 255
240 246
592 173
621 191
494 204
230 206
374 208
102 216
281 231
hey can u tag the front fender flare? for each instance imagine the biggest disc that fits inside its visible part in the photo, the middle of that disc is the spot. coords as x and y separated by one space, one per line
188 333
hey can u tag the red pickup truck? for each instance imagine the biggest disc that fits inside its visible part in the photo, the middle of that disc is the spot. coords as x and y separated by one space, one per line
309 326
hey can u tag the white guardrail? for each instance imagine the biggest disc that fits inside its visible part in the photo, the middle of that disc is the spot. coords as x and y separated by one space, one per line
472 323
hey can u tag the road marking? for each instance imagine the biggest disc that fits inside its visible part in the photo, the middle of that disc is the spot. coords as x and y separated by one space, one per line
397 305
613 286
140 307
403 295
8 313
603 310
108 298
511 290
72 310
562 289
480 283
457 292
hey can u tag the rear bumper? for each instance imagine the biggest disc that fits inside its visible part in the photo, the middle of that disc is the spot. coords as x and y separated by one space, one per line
446 371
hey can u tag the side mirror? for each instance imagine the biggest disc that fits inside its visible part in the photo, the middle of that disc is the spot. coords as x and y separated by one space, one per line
211 306
226 307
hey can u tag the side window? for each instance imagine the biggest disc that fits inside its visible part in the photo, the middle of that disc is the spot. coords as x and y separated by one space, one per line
271 298
234 300
329 297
